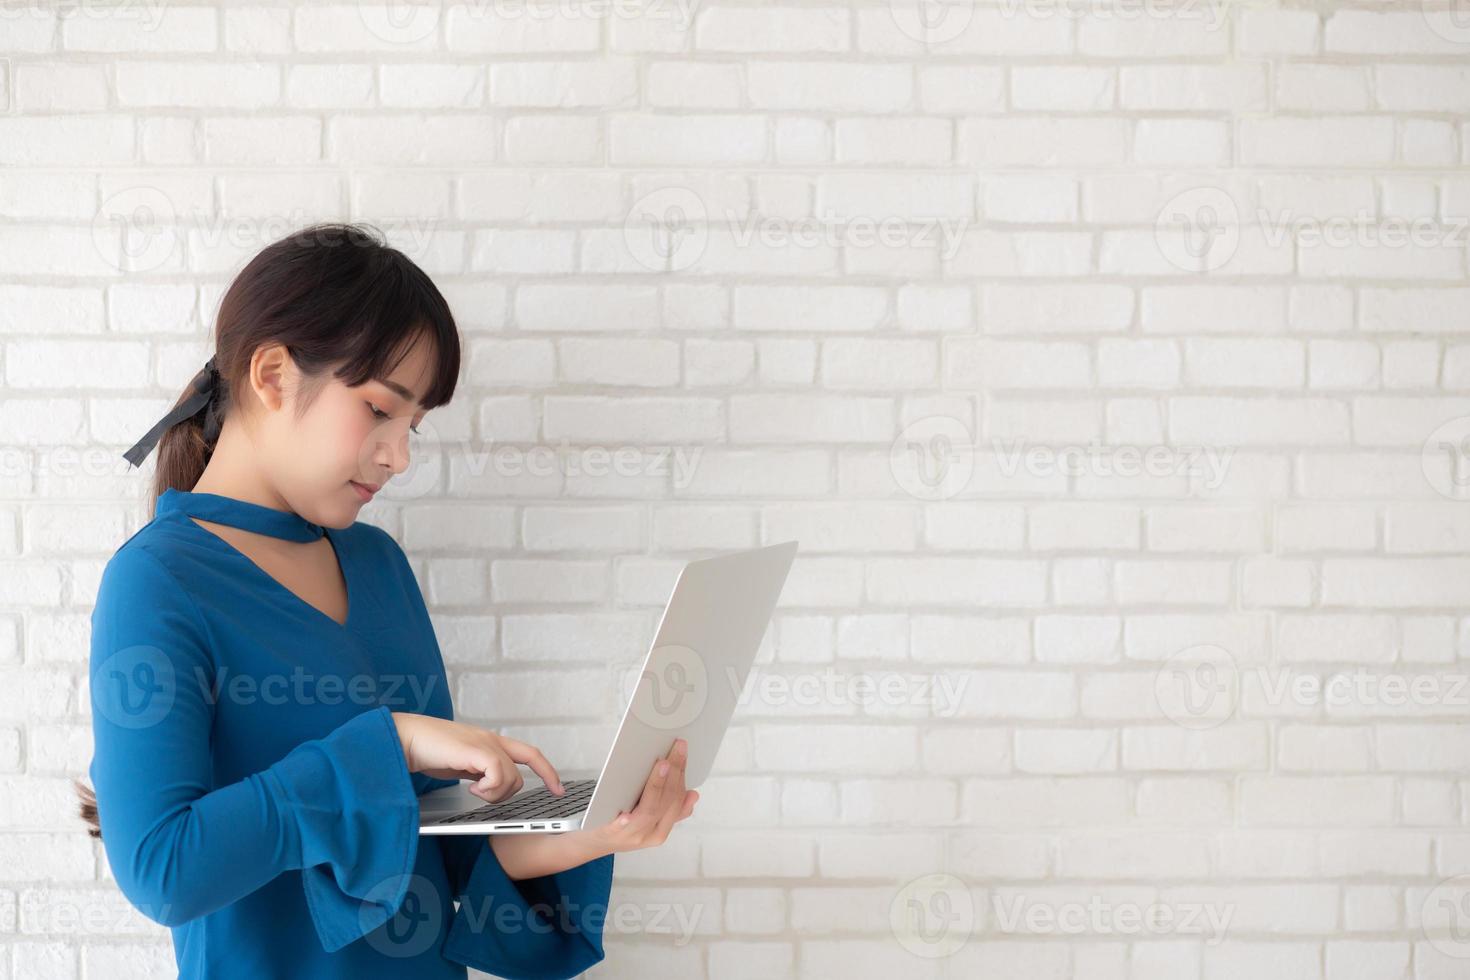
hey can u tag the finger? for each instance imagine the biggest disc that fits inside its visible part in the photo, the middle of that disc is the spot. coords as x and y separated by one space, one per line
481 766
652 784
512 786
531 756
513 780
670 787
498 780
646 812
497 796
674 804
674 795
678 766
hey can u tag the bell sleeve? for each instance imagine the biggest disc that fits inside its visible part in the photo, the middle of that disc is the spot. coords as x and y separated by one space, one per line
543 928
341 808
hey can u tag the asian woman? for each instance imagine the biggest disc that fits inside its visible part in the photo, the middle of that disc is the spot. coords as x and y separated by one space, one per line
268 694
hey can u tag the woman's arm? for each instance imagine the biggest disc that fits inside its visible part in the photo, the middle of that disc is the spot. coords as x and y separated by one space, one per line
664 802
533 855
557 887
340 809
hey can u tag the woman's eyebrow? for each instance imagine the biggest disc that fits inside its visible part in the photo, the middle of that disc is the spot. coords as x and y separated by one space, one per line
399 390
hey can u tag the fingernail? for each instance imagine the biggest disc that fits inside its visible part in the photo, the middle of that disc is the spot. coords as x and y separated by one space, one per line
663 768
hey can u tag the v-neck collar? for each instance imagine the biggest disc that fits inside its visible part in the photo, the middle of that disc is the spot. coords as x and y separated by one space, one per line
261 519
243 514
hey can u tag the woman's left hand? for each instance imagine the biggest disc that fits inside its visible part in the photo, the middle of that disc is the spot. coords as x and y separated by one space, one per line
664 803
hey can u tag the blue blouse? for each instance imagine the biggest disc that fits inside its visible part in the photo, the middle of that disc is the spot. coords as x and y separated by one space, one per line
251 787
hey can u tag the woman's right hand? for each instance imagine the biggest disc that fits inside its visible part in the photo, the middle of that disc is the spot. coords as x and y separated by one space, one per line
453 750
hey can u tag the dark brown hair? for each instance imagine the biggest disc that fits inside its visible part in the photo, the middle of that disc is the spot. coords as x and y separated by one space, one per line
345 305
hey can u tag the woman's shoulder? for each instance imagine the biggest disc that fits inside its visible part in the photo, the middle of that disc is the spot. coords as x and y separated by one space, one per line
146 598
165 558
152 560
163 541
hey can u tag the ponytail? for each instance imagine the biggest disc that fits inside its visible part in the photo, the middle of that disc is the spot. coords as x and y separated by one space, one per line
183 451
88 807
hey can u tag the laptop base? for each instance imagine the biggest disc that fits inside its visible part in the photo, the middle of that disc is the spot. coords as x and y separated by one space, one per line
535 810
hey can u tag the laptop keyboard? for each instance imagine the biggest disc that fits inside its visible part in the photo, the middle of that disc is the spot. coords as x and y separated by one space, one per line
538 804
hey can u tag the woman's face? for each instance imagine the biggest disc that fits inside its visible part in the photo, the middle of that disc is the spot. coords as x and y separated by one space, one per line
350 441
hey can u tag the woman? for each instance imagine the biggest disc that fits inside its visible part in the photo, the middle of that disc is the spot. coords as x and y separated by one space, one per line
268 696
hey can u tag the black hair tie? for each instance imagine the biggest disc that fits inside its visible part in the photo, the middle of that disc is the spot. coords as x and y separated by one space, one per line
206 388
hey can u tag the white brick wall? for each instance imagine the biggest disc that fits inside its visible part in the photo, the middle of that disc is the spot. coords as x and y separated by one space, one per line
1107 359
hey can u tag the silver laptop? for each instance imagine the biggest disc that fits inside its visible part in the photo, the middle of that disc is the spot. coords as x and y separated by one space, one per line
692 676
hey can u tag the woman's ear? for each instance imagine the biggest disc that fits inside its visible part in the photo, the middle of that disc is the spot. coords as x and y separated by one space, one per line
272 371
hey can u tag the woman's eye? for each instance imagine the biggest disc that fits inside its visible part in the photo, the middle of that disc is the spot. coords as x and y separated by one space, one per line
380 414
